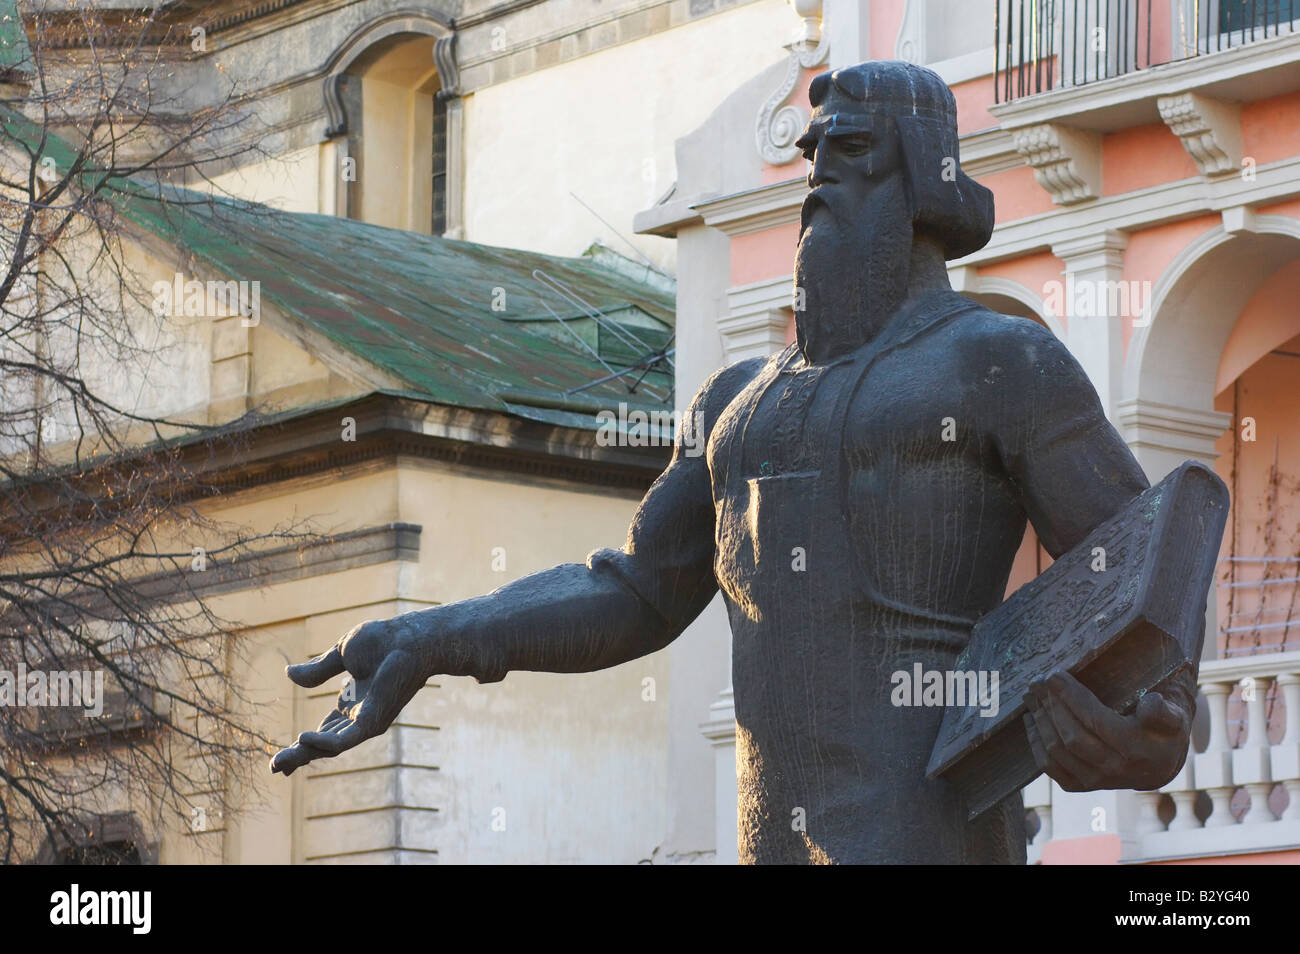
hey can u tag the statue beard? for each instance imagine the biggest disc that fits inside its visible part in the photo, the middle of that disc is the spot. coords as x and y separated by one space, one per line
852 264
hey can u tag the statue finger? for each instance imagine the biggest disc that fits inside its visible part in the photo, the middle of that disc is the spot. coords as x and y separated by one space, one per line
331 720
312 673
1076 734
1156 713
342 736
397 680
294 757
1067 694
1062 764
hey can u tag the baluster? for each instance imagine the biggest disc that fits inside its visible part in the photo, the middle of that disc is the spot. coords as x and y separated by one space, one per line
1182 788
1250 761
1148 817
1038 797
1286 754
1213 767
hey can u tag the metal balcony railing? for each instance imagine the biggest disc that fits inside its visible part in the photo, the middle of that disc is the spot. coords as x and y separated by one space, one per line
1041 45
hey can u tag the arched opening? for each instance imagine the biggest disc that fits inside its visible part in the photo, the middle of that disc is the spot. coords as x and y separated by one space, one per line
1216 376
1258 384
393 134
391 92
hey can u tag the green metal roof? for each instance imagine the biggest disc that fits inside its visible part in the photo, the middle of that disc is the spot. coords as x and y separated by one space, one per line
419 307
14 50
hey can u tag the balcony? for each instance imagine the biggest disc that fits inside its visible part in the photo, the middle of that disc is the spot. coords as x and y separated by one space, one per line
1044 45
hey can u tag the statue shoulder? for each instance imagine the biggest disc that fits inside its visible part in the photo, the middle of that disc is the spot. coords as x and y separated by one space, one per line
721 388
1021 349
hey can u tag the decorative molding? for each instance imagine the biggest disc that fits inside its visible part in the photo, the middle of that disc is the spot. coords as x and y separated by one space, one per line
1142 209
910 46
757 318
1066 161
1176 271
779 123
1210 130
362 39
988 152
1103 249
1186 431
810 17
444 58
755 210
1240 218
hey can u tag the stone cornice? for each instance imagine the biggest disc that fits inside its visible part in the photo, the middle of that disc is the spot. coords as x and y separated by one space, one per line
755 210
1143 208
309 442
1187 431
757 317
988 152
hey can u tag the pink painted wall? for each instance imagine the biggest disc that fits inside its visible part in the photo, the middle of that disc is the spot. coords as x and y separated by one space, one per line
1270 128
886 21
1092 850
1266 391
974 97
1290 207
1269 319
1259 858
1142 157
1150 252
1017 195
761 255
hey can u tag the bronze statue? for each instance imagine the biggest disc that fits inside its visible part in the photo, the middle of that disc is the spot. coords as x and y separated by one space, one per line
859 504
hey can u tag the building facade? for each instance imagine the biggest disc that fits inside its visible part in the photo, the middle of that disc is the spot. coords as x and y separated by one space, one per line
1148 214
1141 162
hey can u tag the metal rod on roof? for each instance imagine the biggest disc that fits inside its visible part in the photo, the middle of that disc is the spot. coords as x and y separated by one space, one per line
626 241
564 290
649 362
565 325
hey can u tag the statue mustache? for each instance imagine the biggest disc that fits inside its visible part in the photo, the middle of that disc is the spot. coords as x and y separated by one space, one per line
811 203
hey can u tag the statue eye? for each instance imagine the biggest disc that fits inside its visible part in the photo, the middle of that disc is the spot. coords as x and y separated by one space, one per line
855 145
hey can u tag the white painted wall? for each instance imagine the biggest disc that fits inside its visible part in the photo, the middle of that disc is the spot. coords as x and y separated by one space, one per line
603 127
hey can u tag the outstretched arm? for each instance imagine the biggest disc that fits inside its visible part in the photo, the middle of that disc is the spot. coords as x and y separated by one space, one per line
1074 471
618 606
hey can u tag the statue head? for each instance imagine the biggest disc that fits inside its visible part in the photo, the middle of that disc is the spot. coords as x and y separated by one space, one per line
888 202
876 109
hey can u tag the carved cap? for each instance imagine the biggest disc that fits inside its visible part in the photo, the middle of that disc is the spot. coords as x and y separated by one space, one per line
889 86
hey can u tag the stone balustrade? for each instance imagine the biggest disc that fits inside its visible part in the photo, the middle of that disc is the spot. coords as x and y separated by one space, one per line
1239 791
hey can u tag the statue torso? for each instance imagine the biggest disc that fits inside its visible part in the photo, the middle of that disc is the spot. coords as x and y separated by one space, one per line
863 524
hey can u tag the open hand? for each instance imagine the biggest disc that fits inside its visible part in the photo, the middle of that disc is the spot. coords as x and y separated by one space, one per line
385 677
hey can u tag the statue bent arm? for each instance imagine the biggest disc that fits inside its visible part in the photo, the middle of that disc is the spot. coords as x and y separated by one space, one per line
1074 471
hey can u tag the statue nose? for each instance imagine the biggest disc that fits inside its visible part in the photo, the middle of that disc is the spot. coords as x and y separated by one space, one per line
819 170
